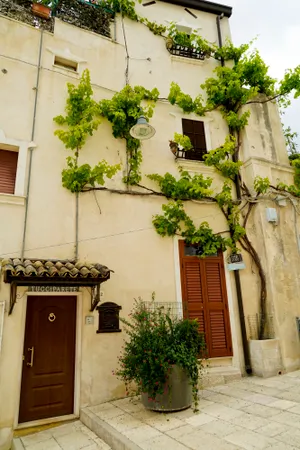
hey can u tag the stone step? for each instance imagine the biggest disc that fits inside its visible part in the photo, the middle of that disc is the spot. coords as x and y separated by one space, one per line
214 376
17 444
71 435
117 440
112 437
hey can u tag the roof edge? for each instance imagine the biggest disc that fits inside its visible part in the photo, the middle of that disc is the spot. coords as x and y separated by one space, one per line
205 6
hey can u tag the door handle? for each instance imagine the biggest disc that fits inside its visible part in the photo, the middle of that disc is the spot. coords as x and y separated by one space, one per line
31 350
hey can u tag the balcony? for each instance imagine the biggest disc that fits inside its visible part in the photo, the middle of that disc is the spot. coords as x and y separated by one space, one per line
82 14
186 52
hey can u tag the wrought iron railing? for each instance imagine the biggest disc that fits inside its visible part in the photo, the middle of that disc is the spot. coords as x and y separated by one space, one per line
186 52
190 155
173 309
84 14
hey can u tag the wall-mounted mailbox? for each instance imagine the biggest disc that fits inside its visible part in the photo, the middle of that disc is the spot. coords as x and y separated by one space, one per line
109 321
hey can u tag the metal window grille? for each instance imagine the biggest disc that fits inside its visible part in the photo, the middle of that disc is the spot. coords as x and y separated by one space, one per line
174 309
254 322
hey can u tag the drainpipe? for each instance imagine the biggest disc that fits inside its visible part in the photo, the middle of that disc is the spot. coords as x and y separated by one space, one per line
218 20
32 147
237 277
115 29
76 225
239 295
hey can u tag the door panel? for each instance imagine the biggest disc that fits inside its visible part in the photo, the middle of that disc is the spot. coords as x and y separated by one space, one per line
47 388
193 294
205 299
217 306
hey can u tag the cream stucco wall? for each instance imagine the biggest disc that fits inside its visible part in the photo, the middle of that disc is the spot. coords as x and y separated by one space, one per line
121 236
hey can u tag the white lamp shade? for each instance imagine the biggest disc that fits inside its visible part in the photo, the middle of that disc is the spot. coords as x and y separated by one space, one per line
142 130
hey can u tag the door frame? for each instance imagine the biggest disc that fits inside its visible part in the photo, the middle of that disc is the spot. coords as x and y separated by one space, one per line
232 303
78 350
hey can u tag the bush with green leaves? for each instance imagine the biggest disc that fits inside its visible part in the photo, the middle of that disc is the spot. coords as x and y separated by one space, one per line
155 342
123 111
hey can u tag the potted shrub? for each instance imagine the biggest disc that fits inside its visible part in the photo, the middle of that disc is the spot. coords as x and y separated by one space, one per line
180 144
162 357
42 8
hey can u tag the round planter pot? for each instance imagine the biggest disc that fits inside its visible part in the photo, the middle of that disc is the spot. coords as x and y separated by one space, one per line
41 10
177 396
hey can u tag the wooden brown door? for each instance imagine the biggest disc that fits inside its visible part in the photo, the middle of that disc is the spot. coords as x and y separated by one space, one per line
47 388
205 299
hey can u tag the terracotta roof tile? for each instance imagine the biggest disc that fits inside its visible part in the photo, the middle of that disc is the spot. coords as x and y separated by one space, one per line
39 268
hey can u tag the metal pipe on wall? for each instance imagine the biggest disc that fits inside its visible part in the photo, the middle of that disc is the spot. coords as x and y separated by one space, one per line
31 148
76 224
218 20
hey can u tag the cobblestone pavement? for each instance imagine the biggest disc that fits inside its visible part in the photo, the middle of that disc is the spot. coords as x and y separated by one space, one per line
253 413
72 436
250 414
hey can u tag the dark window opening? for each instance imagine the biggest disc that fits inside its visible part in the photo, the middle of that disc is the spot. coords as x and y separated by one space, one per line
65 63
195 250
194 129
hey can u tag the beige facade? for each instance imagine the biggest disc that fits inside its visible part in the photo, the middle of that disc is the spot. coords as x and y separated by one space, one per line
122 236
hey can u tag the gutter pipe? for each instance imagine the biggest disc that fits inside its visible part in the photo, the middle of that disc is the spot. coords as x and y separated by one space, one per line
32 146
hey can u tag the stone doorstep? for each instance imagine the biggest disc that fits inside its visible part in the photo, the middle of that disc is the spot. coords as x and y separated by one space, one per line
115 439
17 444
214 376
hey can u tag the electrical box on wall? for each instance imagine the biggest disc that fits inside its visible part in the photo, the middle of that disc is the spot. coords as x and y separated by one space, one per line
271 215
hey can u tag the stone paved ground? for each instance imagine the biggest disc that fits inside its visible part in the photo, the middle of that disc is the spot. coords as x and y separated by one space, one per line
72 436
250 414
253 413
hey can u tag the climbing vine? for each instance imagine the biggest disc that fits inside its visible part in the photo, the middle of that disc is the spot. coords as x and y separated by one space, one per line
228 91
175 221
123 111
80 122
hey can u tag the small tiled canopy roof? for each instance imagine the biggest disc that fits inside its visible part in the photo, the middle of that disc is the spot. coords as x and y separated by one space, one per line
54 269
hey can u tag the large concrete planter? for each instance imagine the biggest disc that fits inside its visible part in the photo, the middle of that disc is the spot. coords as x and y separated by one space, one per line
265 357
177 396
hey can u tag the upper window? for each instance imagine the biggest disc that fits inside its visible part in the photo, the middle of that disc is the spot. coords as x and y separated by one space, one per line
8 171
194 129
65 63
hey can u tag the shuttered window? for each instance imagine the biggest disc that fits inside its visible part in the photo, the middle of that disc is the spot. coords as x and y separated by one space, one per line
8 171
205 299
194 129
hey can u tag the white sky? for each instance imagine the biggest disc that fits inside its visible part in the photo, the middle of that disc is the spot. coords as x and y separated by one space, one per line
276 23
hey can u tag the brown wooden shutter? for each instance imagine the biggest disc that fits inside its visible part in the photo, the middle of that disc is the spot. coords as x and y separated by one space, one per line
218 326
204 298
192 295
194 129
8 171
